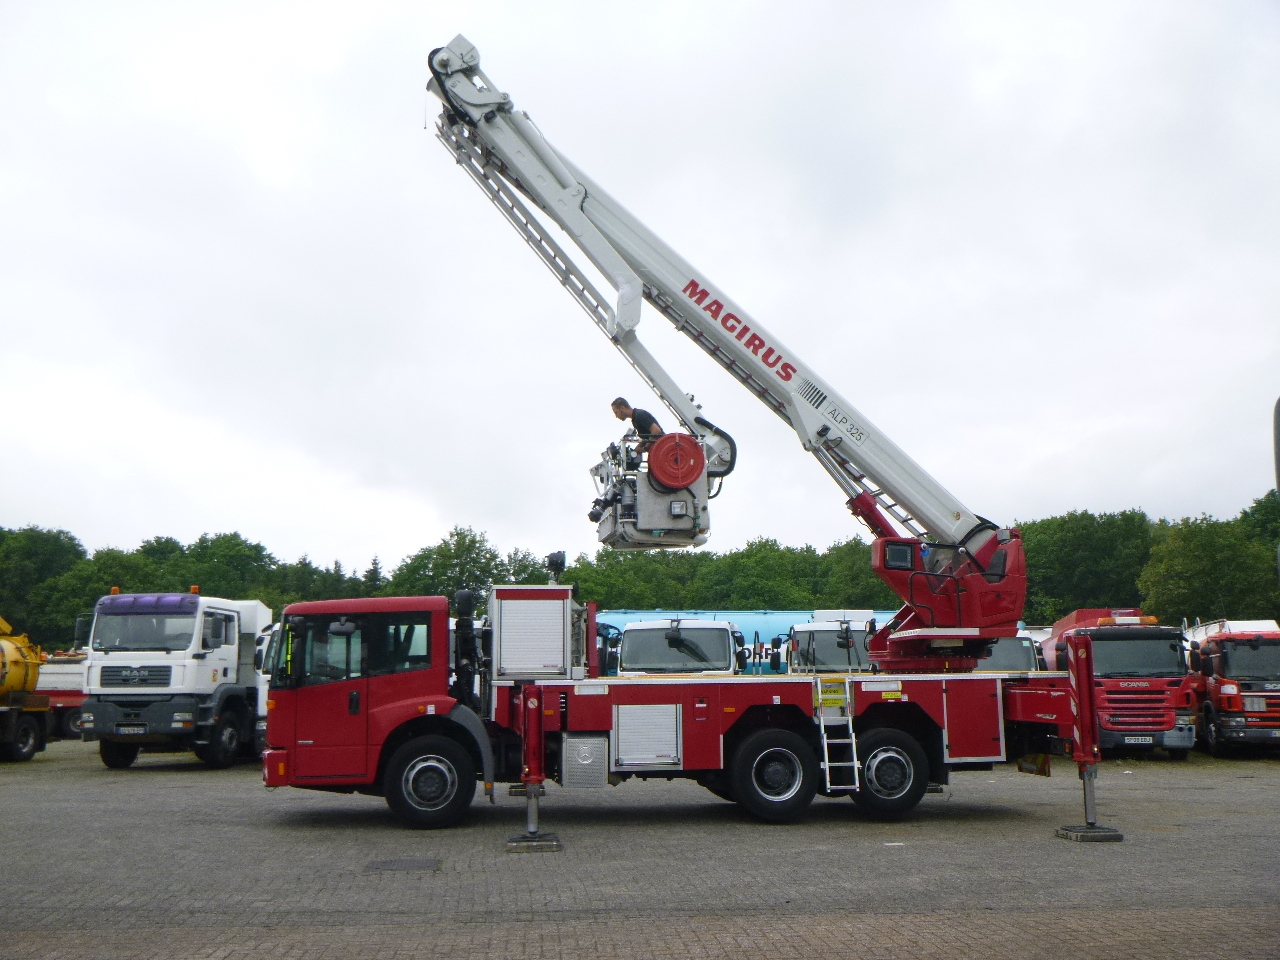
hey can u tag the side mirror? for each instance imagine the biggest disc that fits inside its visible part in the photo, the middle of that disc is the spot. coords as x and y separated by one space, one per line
1195 659
212 632
844 636
257 659
1206 665
738 639
1062 661
84 623
742 655
775 657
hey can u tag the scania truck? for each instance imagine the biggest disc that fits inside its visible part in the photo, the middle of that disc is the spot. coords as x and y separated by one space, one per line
170 672
1239 661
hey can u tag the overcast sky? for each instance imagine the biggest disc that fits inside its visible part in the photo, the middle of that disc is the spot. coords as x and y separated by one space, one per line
242 288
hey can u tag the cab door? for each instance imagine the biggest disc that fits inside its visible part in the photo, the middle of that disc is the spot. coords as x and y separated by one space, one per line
332 710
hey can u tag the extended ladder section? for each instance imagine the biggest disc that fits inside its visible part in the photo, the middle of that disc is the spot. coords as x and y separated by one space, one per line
512 162
834 715
962 579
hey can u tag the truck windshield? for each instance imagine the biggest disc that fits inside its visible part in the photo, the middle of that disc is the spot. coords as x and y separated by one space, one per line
136 631
1138 657
1013 653
1259 660
817 649
698 649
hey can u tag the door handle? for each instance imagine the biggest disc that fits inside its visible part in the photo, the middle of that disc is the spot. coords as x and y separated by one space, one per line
353 702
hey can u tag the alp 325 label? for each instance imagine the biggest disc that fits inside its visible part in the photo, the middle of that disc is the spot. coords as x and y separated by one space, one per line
847 424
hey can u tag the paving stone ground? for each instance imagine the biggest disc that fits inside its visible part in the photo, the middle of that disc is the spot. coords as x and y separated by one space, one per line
170 860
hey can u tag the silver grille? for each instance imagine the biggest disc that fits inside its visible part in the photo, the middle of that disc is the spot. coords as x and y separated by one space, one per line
151 676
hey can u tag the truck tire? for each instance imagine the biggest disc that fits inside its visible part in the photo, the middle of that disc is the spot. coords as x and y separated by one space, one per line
71 724
430 782
224 744
774 775
26 741
117 756
1213 743
895 773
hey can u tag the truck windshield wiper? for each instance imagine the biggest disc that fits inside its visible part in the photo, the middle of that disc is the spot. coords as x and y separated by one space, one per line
689 648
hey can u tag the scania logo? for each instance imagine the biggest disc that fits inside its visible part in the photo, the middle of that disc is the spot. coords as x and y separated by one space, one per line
1134 683
134 674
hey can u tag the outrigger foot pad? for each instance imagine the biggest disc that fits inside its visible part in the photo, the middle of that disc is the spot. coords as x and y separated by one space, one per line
534 843
1086 833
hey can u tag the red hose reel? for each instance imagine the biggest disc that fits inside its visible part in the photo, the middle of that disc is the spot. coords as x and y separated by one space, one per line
676 460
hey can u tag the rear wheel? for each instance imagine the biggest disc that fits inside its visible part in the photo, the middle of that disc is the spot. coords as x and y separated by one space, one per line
774 775
117 756
895 773
430 782
225 743
26 741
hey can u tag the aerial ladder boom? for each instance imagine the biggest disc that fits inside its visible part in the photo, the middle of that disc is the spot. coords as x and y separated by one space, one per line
962 578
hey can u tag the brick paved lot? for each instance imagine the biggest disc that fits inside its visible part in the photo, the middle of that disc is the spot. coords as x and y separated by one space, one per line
170 860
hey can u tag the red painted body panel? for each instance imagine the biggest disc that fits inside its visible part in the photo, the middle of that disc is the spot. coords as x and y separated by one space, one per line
974 727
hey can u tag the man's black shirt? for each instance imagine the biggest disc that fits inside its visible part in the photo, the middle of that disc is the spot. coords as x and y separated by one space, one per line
644 423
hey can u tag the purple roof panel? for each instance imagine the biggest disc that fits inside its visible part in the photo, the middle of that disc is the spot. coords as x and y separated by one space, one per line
175 604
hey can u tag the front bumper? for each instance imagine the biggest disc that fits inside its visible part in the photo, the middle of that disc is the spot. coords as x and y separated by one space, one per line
1179 738
1249 734
140 720
275 768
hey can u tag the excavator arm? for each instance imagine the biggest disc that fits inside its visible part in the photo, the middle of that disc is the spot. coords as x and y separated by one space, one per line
962 578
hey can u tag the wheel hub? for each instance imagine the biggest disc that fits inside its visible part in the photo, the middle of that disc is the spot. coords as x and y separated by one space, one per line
778 774
888 773
430 783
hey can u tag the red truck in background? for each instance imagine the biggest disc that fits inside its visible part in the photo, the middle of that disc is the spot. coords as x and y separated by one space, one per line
1146 698
1238 662
367 697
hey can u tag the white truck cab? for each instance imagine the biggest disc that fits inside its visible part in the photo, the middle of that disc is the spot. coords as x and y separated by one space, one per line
168 672
678 646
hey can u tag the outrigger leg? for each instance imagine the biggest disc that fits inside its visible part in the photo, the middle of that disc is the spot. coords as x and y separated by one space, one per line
533 777
1089 831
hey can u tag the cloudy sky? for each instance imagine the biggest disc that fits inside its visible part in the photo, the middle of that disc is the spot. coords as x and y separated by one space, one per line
242 288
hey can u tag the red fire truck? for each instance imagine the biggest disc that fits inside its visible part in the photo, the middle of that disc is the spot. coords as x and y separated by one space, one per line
1145 696
365 695
1239 661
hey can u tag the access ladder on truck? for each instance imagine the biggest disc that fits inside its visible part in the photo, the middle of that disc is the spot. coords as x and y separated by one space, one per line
834 714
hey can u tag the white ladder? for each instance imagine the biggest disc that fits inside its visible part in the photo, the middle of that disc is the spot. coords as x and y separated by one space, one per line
833 713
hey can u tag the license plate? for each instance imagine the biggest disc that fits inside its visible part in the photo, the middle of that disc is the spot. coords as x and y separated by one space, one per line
131 728
1139 740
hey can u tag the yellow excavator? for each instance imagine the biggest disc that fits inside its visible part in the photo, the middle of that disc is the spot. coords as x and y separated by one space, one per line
24 714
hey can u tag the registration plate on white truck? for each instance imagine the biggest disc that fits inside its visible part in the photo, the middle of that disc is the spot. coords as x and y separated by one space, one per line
1139 740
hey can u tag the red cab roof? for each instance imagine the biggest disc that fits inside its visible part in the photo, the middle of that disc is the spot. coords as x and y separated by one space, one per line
1089 618
369 605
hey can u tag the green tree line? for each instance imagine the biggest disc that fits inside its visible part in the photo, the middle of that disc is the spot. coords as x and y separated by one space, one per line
1194 567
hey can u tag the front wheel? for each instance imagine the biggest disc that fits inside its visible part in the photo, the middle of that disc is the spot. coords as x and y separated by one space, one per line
430 782
26 741
774 775
224 745
895 773
1213 743
71 724
117 756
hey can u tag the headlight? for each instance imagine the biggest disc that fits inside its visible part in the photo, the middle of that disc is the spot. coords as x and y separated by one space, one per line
1186 720
183 716
86 717
262 725
1255 704
1229 689
1233 721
